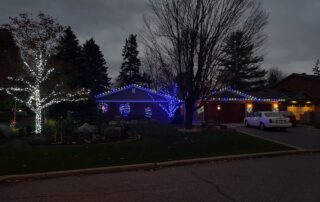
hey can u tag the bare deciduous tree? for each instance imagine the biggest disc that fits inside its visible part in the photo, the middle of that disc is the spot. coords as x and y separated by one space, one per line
316 68
274 76
187 35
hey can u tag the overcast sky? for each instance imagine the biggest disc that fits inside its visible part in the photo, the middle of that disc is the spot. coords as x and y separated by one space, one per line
293 30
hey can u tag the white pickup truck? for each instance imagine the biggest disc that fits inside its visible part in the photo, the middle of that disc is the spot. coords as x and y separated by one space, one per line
267 119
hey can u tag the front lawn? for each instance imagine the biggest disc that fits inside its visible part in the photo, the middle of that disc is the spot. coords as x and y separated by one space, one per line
158 143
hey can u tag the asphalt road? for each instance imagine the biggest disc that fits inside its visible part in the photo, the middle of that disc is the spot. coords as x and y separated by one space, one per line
302 137
287 178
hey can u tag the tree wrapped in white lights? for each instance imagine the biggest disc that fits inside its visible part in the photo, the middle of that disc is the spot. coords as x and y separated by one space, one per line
36 87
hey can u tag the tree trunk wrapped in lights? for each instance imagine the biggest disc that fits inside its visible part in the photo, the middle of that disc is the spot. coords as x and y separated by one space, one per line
31 96
35 87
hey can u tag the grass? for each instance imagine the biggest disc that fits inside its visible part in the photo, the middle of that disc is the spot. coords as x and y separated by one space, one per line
158 143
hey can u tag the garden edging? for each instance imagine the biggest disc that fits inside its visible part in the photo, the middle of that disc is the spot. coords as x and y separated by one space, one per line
147 166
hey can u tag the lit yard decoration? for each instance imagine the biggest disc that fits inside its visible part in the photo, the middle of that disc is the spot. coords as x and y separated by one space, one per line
103 107
34 100
37 39
173 103
148 112
124 110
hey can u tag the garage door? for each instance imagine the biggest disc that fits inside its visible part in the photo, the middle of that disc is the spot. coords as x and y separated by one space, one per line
228 113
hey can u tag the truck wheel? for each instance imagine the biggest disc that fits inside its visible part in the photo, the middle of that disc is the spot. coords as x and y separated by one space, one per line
262 127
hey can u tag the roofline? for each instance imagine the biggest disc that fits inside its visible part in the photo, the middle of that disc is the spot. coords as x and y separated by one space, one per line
132 101
247 96
131 86
295 74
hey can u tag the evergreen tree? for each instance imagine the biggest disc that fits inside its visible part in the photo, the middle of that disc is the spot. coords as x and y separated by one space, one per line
10 65
10 62
316 68
130 66
241 67
70 65
96 70
70 60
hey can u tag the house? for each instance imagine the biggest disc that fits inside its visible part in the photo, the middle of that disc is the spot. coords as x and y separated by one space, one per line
232 106
298 93
303 92
137 102
226 105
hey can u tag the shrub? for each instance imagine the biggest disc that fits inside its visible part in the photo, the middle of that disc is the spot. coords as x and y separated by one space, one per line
2 137
37 140
5 132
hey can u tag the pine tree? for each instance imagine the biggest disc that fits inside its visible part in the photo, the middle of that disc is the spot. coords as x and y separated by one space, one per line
130 66
316 68
10 65
96 70
70 64
70 60
241 67
10 62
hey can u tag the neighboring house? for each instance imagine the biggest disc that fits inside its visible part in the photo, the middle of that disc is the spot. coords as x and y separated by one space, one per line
303 92
136 102
232 106
298 93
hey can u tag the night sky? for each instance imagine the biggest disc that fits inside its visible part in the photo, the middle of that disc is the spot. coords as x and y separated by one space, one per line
293 30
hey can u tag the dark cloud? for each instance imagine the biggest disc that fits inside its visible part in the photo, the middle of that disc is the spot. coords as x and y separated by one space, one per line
109 22
293 34
293 30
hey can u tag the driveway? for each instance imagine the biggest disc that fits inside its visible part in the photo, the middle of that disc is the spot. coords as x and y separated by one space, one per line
300 137
288 178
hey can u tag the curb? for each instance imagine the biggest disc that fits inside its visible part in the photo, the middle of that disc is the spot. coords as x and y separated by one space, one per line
147 166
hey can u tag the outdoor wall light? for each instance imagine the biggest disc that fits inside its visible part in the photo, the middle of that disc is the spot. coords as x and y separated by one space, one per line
275 107
218 107
249 108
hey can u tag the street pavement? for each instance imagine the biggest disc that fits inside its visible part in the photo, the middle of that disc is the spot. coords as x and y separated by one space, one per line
301 137
287 178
